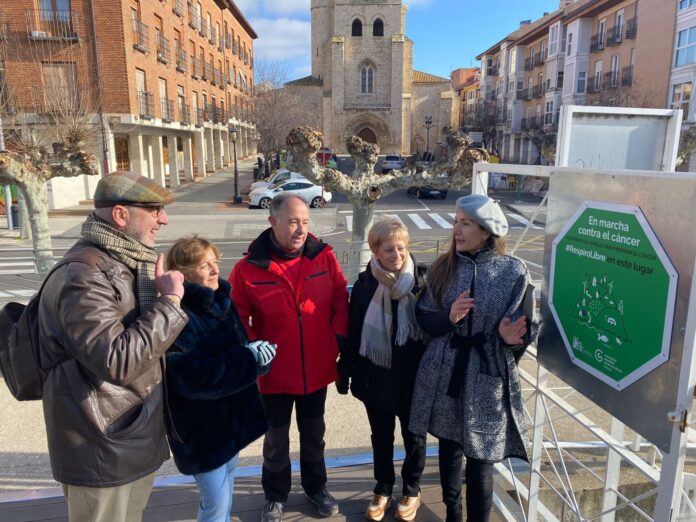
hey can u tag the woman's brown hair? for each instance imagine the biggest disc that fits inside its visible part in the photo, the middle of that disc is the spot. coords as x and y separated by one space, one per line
444 269
187 252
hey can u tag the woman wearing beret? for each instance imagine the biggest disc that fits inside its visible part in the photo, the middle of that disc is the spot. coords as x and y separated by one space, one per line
214 403
380 358
467 391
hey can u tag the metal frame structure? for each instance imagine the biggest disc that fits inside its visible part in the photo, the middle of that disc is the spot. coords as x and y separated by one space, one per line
552 458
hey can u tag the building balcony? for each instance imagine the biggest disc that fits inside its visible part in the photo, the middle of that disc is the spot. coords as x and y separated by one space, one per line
194 18
184 114
207 71
228 41
627 76
528 63
178 7
492 71
196 68
217 77
203 30
246 58
209 113
49 24
141 36
594 84
198 117
538 91
166 110
632 28
181 60
235 47
521 95
219 115
539 59
614 35
212 37
597 42
551 119
611 80
163 52
146 105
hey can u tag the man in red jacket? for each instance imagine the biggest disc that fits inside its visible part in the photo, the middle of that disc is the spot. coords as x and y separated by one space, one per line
289 290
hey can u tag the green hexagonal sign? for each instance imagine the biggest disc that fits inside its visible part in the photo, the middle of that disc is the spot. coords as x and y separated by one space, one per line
612 293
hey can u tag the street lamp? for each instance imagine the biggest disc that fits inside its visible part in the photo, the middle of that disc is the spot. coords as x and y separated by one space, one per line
427 125
233 135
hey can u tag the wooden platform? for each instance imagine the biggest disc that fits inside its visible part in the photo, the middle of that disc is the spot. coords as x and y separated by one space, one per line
352 487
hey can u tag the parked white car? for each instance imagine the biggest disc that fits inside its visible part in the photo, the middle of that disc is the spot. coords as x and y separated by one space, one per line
391 162
312 194
280 175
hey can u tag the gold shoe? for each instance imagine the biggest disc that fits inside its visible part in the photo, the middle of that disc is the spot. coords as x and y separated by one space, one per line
377 508
408 507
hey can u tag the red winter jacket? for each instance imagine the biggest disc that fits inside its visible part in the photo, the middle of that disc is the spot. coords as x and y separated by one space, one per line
302 321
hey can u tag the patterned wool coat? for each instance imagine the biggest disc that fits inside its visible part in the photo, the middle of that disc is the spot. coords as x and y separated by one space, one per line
468 388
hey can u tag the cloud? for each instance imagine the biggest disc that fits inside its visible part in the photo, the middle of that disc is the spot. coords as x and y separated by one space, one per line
281 38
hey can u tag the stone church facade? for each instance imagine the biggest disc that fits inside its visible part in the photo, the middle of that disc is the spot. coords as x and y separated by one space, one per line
362 77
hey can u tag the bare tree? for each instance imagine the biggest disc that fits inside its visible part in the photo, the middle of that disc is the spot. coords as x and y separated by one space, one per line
47 125
279 108
364 188
485 117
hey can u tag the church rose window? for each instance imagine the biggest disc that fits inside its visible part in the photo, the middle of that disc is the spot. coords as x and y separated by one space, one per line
357 28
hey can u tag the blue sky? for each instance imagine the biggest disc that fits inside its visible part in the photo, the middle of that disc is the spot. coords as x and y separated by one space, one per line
447 33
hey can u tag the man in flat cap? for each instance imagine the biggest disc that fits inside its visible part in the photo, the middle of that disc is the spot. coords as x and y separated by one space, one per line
107 315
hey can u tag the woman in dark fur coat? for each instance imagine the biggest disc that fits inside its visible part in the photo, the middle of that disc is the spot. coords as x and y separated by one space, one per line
215 408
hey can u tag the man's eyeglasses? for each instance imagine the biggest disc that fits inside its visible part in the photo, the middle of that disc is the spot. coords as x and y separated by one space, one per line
156 210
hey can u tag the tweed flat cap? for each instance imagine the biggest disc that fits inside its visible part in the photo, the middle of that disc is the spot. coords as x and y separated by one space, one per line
485 211
123 187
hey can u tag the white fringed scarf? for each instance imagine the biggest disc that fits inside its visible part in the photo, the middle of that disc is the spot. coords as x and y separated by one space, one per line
376 338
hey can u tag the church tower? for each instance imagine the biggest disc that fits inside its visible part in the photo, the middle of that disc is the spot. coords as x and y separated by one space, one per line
362 58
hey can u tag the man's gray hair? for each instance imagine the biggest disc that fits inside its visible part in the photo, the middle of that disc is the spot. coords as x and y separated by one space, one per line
280 200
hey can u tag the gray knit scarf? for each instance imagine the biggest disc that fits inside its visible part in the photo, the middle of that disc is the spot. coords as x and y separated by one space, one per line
376 337
128 251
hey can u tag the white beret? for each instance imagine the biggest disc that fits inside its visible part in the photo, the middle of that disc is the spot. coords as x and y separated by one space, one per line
485 211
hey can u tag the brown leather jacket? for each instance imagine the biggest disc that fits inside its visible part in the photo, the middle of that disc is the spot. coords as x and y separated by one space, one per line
103 404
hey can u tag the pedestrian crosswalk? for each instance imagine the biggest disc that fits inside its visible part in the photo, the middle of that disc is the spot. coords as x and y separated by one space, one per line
427 220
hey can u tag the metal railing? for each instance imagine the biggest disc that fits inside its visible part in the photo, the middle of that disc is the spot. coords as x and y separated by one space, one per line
207 71
212 37
594 84
184 114
597 42
528 63
492 71
538 91
196 67
203 29
228 41
194 18
141 36
217 77
181 60
614 35
178 7
539 59
627 76
521 95
146 104
166 110
632 28
611 79
163 53
49 24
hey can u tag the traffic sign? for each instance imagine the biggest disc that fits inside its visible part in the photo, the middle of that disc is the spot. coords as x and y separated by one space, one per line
612 292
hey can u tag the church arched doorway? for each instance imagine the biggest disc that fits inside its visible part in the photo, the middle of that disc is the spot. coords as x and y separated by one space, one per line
366 134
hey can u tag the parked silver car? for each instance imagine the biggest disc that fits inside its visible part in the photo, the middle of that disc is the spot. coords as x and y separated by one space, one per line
391 162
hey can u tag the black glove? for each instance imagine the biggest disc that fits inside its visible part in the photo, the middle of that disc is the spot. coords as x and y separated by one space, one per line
342 385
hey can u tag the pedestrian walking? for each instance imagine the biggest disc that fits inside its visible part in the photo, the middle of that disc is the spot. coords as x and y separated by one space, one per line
106 320
213 397
380 360
289 290
467 391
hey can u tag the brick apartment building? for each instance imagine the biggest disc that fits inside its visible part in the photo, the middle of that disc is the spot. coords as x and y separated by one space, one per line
165 80
588 52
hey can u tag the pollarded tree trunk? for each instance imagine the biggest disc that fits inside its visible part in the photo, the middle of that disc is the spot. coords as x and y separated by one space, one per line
364 188
30 171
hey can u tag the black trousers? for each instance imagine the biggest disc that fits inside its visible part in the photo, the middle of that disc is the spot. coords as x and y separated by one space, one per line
309 413
478 476
382 424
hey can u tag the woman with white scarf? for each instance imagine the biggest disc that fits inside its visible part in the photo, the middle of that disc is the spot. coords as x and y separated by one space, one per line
380 360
